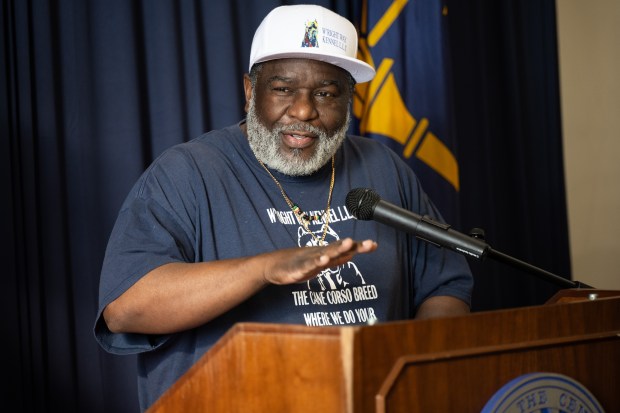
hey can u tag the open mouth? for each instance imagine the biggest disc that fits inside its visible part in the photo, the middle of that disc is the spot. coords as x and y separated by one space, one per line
298 140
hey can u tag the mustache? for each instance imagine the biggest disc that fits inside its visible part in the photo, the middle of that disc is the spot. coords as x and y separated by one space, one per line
300 126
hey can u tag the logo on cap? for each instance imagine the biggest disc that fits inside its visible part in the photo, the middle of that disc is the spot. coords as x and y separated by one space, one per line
311 34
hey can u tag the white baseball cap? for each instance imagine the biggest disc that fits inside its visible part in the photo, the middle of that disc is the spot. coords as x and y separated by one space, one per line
309 32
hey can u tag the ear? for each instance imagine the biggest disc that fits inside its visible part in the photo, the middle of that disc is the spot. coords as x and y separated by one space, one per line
247 87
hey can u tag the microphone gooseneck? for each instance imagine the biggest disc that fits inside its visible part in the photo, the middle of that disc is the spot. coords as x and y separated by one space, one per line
365 204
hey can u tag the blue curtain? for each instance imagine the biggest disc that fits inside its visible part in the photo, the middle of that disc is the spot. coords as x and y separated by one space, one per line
508 129
92 91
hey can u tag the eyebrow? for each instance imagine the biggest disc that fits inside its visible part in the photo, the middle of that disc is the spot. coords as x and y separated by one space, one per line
279 78
331 82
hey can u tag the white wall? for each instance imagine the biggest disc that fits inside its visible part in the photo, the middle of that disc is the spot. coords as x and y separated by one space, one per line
589 51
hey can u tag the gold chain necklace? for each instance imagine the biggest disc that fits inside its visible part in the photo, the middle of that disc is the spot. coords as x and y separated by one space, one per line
303 218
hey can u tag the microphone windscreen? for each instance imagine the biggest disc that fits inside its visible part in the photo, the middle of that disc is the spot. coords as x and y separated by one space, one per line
361 203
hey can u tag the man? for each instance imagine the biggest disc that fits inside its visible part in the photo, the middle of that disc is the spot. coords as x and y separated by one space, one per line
249 223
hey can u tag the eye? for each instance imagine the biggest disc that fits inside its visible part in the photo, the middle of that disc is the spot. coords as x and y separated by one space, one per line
324 94
329 90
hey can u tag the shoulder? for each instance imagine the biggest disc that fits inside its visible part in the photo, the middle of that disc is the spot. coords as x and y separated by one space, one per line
372 154
212 143
375 164
370 147
181 166
205 149
366 143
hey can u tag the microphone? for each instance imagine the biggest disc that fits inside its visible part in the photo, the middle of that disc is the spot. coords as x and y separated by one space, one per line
365 204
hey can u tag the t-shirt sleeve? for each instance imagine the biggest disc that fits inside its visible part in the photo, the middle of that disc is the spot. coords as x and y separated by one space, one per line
153 228
441 271
433 271
437 271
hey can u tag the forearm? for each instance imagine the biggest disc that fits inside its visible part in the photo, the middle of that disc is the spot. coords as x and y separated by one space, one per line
180 296
442 306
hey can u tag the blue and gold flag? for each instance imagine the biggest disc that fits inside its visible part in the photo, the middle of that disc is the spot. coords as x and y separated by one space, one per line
407 105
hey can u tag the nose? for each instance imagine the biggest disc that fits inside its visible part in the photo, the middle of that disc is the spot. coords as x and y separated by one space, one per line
303 106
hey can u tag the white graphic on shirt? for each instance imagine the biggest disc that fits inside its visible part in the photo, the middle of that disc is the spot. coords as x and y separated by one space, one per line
339 295
330 278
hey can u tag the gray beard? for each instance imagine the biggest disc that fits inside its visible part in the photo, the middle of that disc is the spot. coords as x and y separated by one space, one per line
266 145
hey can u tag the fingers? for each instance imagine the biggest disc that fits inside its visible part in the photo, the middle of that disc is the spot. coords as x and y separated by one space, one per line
367 246
300 264
345 248
347 245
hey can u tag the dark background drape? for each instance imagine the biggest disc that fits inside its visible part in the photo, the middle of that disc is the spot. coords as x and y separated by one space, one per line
92 91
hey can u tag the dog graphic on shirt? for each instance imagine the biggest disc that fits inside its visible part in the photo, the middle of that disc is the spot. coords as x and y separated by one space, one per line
330 278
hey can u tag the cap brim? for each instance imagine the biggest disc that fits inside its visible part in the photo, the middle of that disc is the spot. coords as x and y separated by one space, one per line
360 70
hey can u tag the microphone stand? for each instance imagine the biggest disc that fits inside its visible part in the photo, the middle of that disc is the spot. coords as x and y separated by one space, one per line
478 234
365 204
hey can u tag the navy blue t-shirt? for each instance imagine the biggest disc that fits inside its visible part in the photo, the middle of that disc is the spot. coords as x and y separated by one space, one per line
209 199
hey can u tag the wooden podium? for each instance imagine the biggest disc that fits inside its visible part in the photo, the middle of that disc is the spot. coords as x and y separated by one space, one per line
438 365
